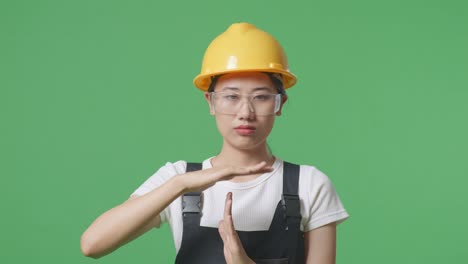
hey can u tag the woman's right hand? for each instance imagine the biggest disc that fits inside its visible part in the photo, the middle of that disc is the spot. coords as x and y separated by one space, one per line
197 181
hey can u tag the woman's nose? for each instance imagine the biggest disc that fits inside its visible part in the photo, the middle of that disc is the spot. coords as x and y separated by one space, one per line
246 110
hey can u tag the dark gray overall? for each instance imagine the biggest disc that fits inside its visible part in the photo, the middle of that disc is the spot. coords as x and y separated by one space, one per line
282 243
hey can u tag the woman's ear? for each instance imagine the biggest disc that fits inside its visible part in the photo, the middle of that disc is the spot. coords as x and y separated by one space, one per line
208 99
284 98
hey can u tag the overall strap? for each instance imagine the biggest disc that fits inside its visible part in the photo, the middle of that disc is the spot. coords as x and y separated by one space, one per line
292 209
291 181
191 214
191 202
192 166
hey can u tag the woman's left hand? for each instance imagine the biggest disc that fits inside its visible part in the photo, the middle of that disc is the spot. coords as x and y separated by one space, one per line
234 252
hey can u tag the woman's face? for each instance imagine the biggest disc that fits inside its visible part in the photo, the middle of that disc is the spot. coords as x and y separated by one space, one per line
244 128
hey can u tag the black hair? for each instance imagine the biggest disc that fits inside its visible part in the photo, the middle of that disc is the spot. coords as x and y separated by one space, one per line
274 77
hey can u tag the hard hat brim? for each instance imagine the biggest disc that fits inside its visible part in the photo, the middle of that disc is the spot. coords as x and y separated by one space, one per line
203 81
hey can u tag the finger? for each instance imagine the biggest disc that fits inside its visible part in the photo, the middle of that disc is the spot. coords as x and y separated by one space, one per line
227 253
222 229
258 167
228 225
230 230
228 205
233 250
222 233
227 244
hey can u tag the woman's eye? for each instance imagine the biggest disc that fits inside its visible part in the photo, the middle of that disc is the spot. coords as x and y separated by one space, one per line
231 97
262 97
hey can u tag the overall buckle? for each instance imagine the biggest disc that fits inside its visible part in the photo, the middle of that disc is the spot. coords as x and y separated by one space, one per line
191 203
291 205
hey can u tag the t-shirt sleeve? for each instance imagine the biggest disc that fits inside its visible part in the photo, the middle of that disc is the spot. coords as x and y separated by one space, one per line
322 205
157 179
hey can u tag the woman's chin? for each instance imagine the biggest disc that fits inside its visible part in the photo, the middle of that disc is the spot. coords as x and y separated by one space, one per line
246 143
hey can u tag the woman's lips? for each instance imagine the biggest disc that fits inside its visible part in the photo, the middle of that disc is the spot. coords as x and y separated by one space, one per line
245 130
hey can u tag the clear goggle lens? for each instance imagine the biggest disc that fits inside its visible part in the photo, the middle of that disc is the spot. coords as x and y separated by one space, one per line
231 103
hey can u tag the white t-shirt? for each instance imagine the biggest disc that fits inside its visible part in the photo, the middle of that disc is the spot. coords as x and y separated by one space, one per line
255 201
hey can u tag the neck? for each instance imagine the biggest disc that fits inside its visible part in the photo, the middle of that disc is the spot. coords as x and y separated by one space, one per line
230 156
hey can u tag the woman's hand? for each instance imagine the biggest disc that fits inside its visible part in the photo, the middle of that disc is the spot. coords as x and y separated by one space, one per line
234 252
200 180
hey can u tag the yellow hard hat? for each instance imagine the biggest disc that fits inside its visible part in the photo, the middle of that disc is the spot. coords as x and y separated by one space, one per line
243 48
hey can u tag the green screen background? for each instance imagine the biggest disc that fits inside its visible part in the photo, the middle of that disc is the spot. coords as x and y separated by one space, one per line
96 95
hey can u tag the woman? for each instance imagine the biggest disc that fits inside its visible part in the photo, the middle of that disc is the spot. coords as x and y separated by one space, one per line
244 205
